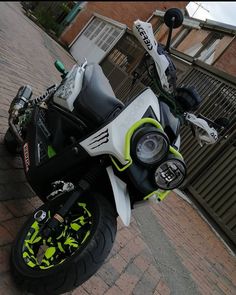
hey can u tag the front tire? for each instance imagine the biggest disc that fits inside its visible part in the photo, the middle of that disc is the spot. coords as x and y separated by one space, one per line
79 265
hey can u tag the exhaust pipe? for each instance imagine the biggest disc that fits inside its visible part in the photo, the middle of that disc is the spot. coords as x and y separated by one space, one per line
19 102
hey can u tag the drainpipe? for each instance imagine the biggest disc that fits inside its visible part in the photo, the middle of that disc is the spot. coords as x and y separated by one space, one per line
72 14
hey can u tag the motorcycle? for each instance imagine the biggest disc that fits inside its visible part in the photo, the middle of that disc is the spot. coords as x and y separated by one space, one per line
90 159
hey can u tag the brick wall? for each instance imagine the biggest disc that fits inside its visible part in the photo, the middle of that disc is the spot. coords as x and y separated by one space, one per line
227 61
124 12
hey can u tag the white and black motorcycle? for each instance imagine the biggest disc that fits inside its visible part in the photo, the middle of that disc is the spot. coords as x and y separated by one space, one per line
90 158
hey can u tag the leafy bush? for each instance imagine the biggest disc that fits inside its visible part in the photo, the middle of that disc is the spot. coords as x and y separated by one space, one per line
46 19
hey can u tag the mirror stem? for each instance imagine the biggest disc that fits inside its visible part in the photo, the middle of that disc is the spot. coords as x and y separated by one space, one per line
169 35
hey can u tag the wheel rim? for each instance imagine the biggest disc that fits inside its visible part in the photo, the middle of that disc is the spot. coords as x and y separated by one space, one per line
40 253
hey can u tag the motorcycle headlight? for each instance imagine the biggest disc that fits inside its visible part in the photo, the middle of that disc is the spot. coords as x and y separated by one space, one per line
150 145
171 173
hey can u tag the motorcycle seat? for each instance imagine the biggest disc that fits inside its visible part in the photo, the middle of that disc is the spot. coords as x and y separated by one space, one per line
96 102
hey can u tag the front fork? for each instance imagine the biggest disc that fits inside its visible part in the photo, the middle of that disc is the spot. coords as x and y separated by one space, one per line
52 226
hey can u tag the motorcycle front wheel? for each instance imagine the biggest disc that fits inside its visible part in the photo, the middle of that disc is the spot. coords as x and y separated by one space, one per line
61 263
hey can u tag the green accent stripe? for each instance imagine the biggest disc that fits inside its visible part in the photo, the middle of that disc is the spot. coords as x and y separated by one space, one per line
86 236
51 151
160 195
128 136
50 252
175 152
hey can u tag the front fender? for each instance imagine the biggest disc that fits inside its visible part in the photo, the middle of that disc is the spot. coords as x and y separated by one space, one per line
121 196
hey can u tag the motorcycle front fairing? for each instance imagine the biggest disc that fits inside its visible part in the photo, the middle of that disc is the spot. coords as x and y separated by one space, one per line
111 140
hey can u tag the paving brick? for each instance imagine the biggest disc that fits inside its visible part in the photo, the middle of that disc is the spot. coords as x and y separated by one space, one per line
141 263
126 234
14 162
11 176
5 236
146 285
95 286
14 225
4 258
7 286
35 202
127 283
162 288
154 273
131 269
5 214
132 249
108 273
127 253
197 245
15 191
114 290
118 263
121 240
80 291
20 207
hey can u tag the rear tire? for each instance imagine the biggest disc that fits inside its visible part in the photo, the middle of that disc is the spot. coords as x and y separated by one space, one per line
82 263
11 143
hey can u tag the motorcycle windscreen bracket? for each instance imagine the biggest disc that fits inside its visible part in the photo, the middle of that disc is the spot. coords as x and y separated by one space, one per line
144 33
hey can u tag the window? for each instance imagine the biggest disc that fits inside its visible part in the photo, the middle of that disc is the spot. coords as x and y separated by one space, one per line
180 37
204 45
127 53
107 37
91 27
98 30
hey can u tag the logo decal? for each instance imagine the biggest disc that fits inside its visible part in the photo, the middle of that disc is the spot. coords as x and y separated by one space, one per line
100 139
26 156
143 34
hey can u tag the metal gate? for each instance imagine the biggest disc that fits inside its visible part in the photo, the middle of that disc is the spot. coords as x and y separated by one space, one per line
212 169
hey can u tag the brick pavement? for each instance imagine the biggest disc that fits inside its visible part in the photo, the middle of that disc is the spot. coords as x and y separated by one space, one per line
134 265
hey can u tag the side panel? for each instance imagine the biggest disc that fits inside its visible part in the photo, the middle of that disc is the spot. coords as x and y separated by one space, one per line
111 138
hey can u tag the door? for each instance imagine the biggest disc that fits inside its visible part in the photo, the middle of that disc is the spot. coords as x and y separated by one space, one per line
96 41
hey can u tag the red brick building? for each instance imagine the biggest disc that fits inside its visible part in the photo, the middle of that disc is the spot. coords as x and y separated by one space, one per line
210 42
227 61
123 12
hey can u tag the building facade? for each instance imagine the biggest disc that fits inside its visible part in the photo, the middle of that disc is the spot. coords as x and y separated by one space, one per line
208 41
122 12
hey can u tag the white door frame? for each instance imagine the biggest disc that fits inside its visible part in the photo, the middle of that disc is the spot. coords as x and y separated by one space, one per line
107 19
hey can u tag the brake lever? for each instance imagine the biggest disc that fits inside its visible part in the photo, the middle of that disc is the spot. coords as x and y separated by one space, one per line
212 123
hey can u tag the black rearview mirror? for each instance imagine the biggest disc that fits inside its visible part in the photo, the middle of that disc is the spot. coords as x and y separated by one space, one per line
173 18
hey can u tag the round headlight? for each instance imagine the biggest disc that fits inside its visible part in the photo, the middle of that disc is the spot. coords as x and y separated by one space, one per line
170 174
150 145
